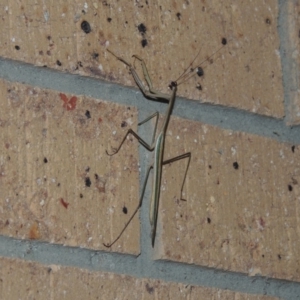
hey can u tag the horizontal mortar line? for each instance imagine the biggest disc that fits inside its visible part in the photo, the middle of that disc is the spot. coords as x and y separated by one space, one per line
168 271
217 115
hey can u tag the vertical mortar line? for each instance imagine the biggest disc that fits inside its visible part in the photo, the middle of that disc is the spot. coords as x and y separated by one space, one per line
288 64
145 159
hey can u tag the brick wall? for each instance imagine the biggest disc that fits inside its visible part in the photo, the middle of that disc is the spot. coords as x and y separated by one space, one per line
65 101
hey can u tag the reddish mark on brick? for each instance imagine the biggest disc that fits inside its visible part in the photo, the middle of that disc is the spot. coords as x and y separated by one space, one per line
99 120
34 232
64 203
69 104
262 223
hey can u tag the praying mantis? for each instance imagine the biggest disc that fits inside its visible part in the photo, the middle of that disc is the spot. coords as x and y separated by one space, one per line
157 145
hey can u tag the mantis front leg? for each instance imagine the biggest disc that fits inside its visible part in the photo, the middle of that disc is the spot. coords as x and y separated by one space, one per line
151 93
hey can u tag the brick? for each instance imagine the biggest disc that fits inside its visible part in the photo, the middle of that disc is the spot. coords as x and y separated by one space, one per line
246 74
57 182
21 279
24 280
242 194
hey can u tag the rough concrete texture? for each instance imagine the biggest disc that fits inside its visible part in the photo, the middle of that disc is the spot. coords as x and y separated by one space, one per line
56 178
37 281
73 37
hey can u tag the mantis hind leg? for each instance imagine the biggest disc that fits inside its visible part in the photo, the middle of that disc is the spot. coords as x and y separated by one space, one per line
182 156
108 245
